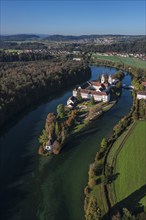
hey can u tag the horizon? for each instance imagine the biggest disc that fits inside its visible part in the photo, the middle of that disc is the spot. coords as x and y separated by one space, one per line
74 18
39 34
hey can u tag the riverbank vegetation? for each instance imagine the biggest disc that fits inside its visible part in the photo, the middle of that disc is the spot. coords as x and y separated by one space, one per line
24 83
100 192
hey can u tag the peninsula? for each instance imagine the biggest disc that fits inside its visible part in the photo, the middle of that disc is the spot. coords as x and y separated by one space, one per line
88 101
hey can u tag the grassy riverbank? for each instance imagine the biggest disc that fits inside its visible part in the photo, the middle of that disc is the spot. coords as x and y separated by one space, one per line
130 165
129 61
99 191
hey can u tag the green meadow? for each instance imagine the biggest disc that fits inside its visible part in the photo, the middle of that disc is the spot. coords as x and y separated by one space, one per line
130 166
134 62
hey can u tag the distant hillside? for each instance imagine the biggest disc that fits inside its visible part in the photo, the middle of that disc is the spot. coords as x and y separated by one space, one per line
71 37
88 37
19 37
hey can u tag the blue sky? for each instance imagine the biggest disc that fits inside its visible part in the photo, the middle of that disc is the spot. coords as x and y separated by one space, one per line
73 17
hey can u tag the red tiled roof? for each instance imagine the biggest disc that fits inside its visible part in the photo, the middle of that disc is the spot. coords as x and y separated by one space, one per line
95 83
86 91
141 92
143 83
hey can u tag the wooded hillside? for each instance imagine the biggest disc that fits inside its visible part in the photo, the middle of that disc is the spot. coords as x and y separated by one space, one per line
24 83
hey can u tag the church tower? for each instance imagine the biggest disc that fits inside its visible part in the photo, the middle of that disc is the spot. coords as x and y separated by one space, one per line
102 78
110 79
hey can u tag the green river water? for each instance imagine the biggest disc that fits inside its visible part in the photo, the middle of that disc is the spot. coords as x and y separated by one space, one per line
34 188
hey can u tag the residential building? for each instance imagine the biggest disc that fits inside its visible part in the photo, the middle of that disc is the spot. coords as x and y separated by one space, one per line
141 95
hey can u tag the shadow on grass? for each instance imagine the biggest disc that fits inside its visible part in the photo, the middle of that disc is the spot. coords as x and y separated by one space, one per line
114 177
99 170
131 203
98 181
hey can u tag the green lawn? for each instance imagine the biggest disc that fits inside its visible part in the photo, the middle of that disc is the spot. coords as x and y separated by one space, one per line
13 51
130 185
134 62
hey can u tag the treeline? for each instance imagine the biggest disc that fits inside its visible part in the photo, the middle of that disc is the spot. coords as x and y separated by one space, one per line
125 47
32 56
7 45
139 108
23 83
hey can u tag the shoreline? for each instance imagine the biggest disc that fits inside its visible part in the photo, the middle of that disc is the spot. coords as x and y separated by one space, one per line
105 160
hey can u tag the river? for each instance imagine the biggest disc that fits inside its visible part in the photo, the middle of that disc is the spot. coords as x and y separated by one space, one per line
34 188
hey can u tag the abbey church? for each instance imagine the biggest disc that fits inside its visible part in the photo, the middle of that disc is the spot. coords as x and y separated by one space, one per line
98 89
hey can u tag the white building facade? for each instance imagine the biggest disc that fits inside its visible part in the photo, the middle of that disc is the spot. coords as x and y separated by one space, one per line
141 95
98 96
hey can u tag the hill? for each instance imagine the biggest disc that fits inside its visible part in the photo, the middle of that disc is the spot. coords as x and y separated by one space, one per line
58 37
19 37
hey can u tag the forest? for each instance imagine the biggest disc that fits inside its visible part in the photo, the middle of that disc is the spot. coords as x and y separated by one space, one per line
25 56
124 47
23 83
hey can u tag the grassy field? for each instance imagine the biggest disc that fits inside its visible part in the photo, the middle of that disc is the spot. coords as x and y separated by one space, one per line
130 185
134 62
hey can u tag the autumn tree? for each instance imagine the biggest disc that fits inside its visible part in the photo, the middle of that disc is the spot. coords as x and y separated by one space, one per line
93 211
104 143
50 124
60 110
57 130
43 138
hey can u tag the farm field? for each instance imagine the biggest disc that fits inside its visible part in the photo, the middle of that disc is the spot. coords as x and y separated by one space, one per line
130 185
134 62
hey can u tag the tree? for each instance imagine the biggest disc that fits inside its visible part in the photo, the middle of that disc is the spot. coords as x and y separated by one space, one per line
91 172
91 183
74 113
127 215
93 211
92 100
70 121
50 123
60 110
118 85
43 138
56 147
86 190
79 97
104 143
64 133
57 129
